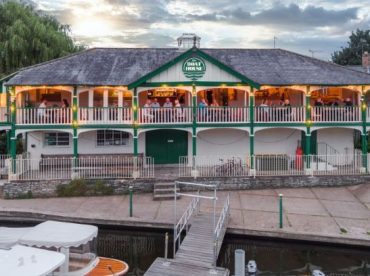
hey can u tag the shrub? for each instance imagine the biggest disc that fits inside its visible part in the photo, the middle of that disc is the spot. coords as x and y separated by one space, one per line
79 187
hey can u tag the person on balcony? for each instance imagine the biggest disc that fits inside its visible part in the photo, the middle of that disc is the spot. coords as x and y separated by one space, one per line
215 111
147 112
348 109
179 114
65 103
155 108
264 111
287 112
202 110
319 102
41 111
168 103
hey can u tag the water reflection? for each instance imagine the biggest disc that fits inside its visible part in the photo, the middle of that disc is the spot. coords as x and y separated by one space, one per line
278 258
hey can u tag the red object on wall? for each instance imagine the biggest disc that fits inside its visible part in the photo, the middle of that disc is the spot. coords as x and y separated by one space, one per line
299 158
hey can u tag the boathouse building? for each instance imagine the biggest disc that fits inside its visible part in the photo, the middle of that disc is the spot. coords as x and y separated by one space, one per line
176 103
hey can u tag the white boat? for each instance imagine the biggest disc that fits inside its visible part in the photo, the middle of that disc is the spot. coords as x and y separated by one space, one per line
77 242
23 260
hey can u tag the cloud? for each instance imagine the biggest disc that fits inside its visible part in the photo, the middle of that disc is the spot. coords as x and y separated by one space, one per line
282 16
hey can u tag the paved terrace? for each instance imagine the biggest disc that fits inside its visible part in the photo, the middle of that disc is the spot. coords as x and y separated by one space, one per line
323 214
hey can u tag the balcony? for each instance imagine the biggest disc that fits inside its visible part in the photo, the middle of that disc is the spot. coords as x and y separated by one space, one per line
44 116
183 115
222 114
329 114
176 115
279 114
3 115
104 115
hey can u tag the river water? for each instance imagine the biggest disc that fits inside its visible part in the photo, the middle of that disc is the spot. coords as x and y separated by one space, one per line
140 248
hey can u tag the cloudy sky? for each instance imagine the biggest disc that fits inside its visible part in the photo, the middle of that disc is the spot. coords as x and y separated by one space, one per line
301 25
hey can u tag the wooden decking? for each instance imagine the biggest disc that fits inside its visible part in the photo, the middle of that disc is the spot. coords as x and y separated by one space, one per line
195 255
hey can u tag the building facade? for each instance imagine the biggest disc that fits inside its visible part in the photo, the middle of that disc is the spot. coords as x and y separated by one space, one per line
170 104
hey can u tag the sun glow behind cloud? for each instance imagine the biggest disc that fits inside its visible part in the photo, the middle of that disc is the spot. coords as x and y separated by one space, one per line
322 25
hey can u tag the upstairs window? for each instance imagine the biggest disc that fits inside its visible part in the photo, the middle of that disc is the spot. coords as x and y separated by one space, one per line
56 139
112 138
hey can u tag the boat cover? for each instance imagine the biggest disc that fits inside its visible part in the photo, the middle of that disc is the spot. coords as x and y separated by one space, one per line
59 234
9 236
24 260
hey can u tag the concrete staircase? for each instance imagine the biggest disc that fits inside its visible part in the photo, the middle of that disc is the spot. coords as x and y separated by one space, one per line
164 191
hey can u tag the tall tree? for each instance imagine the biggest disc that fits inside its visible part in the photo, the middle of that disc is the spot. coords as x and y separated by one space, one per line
359 42
28 37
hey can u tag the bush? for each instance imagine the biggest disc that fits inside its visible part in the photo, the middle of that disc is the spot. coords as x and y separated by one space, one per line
79 187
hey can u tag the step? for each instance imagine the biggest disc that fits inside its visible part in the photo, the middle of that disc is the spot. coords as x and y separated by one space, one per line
164 185
164 197
165 190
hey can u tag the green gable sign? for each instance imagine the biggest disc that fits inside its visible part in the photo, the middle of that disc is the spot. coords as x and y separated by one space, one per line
194 68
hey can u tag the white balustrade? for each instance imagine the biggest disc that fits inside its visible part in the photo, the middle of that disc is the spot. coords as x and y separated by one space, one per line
3 115
222 114
336 114
279 114
44 116
165 115
105 115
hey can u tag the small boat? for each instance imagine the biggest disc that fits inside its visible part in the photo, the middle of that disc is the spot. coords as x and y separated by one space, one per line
77 242
24 260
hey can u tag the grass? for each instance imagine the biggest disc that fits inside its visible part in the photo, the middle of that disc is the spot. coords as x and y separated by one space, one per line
80 187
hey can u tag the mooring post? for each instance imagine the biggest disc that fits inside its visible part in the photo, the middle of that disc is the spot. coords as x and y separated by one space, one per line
280 210
131 191
166 246
239 262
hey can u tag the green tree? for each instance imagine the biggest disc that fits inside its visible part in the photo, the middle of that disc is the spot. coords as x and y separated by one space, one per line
28 37
359 42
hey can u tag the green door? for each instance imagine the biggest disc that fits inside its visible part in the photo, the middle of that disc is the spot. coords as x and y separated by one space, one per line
166 145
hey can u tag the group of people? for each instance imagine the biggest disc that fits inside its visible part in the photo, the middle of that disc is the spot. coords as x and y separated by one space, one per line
42 112
269 112
154 112
337 102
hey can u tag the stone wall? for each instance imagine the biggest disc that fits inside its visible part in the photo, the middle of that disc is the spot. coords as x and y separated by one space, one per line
47 188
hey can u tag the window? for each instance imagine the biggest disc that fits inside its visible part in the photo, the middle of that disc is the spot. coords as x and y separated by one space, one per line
111 138
56 139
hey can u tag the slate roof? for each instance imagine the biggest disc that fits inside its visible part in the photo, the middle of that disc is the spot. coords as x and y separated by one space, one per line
122 66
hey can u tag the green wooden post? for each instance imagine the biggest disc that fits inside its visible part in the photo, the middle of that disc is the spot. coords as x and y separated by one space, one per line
251 134
280 210
135 122
308 104
75 130
13 118
194 128
364 132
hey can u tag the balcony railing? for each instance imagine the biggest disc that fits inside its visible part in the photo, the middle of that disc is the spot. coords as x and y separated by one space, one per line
44 116
105 115
222 114
180 115
165 115
279 114
3 115
336 114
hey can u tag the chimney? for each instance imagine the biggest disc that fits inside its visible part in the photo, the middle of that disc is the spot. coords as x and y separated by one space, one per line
366 62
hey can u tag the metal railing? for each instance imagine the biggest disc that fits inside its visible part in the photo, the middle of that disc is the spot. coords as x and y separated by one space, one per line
4 164
336 114
183 222
3 115
275 165
148 115
214 166
220 228
105 115
43 116
279 114
84 167
222 114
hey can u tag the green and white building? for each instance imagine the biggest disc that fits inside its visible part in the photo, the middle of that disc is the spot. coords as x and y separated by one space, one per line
107 89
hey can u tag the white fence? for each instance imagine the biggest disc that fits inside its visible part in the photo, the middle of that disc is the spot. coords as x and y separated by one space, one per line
274 165
336 114
105 115
165 115
3 115
280 114
85 167
222 114
44 116
4 164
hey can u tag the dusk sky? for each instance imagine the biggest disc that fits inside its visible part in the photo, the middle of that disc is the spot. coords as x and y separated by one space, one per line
319 25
